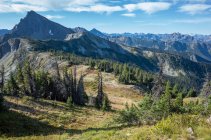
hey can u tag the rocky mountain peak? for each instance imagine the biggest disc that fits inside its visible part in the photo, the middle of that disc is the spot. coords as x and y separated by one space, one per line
38 27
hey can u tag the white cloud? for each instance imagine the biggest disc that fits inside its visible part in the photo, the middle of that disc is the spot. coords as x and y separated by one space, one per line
194 8
46 5
54 16
129 15
131 7
148 7
96 8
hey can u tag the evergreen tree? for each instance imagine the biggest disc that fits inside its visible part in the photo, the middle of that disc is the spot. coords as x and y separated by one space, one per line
1 101
68 80
2 72
164 105
191 93
178 103
69 102
157 89
100 94
74 86
175 91
13 86
81 95
42 83
206 90
20 79
29 81
106 103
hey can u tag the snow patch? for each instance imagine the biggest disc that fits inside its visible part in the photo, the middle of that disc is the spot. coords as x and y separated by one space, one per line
50 32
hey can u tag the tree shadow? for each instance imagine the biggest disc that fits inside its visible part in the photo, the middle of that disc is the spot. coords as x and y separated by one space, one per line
78 131
14 124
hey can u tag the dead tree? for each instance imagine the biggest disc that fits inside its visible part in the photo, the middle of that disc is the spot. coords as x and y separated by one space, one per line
206 89
158 88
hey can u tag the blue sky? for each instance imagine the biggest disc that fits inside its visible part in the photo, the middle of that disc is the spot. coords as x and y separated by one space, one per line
116 16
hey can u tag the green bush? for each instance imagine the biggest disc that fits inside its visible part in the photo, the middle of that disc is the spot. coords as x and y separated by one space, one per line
129 115
106 103
69 102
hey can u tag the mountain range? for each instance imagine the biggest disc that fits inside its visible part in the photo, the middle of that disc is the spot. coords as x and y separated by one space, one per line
184 57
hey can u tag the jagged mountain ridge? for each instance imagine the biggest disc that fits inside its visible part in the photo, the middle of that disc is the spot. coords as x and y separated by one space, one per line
197 45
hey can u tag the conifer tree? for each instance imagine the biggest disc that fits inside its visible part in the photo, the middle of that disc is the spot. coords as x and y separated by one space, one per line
1 102
67 77
102 101
106 106
100 94
81 95
178 103
13 86
29 81
2 72
20 79
175 91
74 85
1 87
206 89
157 89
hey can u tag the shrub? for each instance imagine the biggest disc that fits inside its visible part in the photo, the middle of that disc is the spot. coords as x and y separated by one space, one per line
70 102
106 104
129 115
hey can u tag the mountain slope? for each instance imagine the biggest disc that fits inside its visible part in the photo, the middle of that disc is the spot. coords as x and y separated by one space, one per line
4 31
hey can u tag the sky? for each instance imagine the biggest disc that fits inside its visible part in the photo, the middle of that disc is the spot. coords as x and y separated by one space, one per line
116 16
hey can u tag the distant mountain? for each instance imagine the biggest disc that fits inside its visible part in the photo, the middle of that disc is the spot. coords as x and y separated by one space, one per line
198 47
38 27
4 31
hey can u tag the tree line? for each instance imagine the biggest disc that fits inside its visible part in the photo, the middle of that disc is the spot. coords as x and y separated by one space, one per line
61 85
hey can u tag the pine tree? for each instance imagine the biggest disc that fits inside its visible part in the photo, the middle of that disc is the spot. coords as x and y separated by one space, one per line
191 93
29 81
206 90
70 102
1 102
13 88
106 103
178 104
157 89
2 72
164 104
20 79
42 83
81 95
175 91
67 78
74 85
100 94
